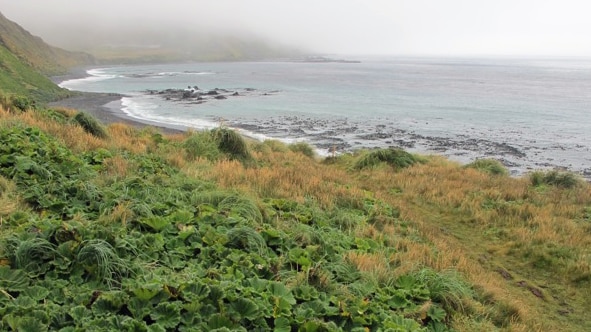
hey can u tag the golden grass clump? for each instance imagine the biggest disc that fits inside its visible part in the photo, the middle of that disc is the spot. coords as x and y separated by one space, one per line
8 197
127 138
292 176
122 213
116 166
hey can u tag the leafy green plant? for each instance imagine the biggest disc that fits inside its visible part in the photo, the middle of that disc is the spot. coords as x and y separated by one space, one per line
13 280
159 248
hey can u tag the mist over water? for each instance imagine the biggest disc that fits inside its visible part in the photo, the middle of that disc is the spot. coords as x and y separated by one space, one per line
530 114
409 27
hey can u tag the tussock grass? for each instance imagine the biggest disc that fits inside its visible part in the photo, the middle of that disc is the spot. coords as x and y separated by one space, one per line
397 158
241 206
127 138
246 238
101 261
90 125
201 145
210 197
30 253
555 178
453 229
303 148
121 213
117 166
269 146
491 166
446 287
231 143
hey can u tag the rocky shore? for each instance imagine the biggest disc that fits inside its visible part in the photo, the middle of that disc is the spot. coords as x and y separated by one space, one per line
195 95
335 134
345 135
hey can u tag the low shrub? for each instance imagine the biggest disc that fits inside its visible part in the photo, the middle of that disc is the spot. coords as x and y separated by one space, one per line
90 125
201 145
22 103
554 178
16 103
303 148
396 158
231 143
490 166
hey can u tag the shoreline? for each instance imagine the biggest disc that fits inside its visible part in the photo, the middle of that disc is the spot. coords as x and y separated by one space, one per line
108 108
105 107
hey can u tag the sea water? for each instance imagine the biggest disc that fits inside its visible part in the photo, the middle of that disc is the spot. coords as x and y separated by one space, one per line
528 113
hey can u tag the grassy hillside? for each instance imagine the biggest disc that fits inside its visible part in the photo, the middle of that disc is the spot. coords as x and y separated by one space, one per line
122 229
20 79
25 60
34 52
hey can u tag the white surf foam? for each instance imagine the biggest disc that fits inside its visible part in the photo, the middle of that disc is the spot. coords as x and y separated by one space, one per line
141 108
96 75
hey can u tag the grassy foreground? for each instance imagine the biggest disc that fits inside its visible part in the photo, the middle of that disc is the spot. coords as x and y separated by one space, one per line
129 230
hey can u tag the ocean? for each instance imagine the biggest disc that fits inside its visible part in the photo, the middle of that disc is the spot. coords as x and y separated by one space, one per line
530 114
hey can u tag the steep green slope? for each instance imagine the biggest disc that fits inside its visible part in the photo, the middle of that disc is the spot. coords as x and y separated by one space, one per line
18 78
35 52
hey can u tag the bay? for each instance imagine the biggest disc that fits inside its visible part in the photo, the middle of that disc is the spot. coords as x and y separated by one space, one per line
528 113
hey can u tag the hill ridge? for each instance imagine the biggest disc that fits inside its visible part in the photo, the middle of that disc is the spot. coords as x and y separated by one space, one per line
34 51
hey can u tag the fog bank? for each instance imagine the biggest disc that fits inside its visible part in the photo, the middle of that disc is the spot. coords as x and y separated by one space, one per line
423 27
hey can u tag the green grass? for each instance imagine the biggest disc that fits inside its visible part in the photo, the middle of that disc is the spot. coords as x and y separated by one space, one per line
231 143
178 234
90 125
24 62
396 158
303 148
201 145
20 79
490 166
555 178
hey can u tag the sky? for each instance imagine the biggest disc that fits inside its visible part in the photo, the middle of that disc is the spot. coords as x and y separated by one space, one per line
364 27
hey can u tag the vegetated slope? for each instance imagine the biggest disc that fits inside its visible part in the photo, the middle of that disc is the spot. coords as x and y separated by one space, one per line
119 229
35 52
19 79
